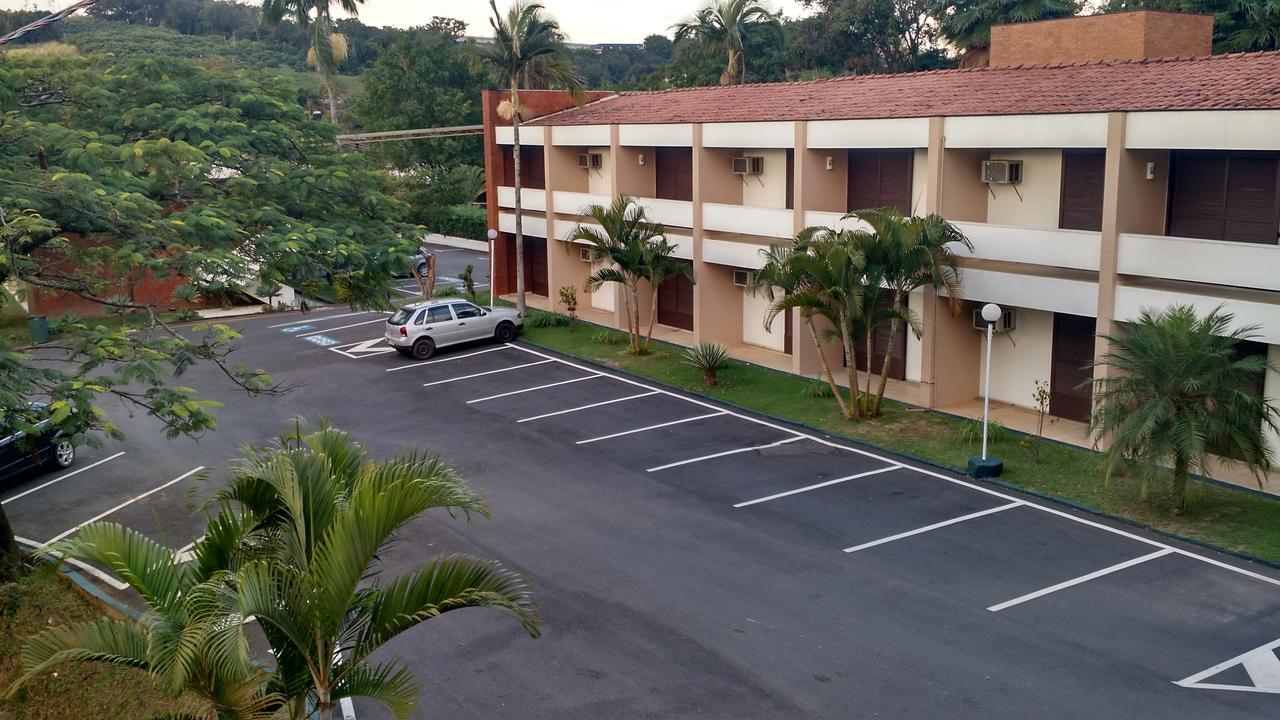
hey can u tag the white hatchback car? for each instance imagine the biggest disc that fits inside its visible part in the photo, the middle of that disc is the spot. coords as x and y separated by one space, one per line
418 329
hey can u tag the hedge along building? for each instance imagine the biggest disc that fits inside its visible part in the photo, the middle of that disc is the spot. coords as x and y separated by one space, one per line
1145 180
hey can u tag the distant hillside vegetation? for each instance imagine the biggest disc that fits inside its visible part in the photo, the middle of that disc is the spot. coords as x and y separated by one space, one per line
121 39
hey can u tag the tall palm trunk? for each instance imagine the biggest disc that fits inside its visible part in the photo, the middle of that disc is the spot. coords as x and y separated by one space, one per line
653 315
635 323
1181 474
851 366
826 366
10 557
331 86
515 164
888 353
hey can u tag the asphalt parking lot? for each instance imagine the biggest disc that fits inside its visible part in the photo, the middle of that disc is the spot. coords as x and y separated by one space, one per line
692 560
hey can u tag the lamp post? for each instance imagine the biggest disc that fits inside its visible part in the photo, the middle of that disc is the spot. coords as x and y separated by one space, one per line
492 235
982 467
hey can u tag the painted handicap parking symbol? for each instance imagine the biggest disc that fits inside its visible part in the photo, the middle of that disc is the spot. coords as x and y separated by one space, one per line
1255 671
296 329
321 340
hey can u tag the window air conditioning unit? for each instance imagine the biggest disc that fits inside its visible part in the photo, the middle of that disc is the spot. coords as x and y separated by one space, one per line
584 254
591 161
748 166
743 278
1002 172
1008 320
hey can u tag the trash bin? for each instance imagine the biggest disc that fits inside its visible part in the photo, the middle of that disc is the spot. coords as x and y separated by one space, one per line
38 326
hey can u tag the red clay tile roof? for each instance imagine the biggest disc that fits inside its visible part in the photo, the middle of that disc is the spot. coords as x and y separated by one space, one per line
1221 82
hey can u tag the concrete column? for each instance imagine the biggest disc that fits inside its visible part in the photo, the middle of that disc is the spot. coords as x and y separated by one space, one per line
1113 182
933 305
713 291
563 265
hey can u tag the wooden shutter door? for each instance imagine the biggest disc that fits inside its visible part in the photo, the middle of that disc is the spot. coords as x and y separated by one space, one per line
880 179
1073 344
1082 179
1197 195
1251 214
673 173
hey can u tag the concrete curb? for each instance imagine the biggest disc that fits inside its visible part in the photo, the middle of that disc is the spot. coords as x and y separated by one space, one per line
920 460
450 241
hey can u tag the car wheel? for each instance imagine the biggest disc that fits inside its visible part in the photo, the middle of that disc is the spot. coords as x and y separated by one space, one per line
423 349
506 332
64 453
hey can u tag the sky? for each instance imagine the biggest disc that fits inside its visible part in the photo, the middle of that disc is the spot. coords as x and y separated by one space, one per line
585 21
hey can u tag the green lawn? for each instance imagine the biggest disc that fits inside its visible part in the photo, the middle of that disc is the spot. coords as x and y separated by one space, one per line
76 690
1241 521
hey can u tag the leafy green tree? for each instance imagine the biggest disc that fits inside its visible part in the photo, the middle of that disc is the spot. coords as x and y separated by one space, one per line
722 26
120 169
821 274
328 47
865 36
527 52
1176 392
902 254
424 80
633 251
966 24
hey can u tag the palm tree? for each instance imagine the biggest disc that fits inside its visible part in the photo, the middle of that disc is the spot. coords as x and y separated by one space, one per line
967 23
1176 392
902 255
328 49
722 25
821 274
182 639
527 50
635 251
322 517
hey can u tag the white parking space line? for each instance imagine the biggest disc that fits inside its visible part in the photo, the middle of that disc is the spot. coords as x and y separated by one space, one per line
650 427
1082 579
448 359
532 389
723 454
935 526
320 319
490 372
807 488
588 407
1261 664
59 479
947 478
124 504
341 327
84 566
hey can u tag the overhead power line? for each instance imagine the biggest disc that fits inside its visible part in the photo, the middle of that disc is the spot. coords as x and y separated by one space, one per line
46 21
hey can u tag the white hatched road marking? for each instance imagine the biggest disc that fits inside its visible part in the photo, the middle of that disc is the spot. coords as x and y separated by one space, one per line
59 479
935 526
1078 580
807 488
930 473
107 578
649 427
364 348
490 372
448 359
588 407
341 327
123 505
724 453
1261 664
539 387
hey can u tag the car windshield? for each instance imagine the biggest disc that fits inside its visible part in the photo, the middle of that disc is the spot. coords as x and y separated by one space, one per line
401 317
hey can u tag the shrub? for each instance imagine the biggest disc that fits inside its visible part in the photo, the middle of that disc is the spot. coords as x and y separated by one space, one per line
539 319
971 432
447 291
464 221
609 337
817 389
710 358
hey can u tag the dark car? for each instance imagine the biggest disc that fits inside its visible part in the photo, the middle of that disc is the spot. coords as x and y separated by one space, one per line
20 451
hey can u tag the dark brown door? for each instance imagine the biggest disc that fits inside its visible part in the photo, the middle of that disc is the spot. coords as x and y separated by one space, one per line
535 265
509 271
673 173
1082 180
1069 394
532 167
791 179
1225 196
788 332
880 343
675 302
1255 386
880 179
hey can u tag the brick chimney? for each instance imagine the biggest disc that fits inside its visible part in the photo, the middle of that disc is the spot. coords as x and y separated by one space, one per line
1133 35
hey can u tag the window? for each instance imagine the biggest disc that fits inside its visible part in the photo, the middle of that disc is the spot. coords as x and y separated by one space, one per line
466 310
1082 181
439 314
880 179
401 317
421 318
1225 196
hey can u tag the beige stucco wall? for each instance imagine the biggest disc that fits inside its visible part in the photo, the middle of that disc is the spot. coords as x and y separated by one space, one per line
755 307
718 183
824 190
598 181
633 178
1272 391
563 172
606 298
915 302
1142 203
768 189
963 196
1021 357
1034 202
717 305
920 182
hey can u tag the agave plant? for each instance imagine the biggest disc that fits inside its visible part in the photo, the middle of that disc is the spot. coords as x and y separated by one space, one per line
710 358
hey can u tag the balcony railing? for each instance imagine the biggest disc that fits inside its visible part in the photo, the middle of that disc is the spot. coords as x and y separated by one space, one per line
573 203
530 199
747 220
674 213
1232 264
1077 249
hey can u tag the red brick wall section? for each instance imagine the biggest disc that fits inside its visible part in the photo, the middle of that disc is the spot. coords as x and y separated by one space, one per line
536 104
1113 36
148 290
